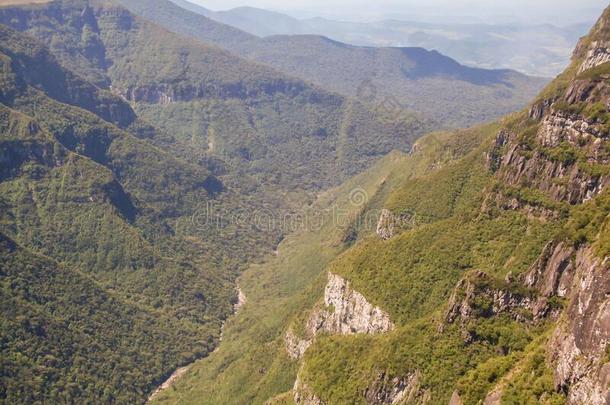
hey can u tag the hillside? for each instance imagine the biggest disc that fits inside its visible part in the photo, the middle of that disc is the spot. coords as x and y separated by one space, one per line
100 298
278 129
392 78
138 170
484 277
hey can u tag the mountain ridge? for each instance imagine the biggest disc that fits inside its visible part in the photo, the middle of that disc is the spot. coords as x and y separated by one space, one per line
347 70
527 48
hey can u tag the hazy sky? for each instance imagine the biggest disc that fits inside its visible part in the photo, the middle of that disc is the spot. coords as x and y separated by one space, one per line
559 12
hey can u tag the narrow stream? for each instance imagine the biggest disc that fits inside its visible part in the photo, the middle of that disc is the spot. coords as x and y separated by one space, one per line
176 375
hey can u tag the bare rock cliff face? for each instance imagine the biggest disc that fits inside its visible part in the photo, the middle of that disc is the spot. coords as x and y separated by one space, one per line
345 312
479 296
383 391
386 390
565 136
386 225
578 350
595 49
350 312
554 151
296 346
561 177
553 272
597 55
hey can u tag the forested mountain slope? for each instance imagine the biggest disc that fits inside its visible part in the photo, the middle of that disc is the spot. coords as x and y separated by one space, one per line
121 240
100 298
486 278
279 129
409 78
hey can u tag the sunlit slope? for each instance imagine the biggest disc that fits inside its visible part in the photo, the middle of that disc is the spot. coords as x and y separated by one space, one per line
251 365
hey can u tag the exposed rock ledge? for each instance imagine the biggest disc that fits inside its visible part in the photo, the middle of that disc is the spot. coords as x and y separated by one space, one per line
598 54
350 312
578 348
386 225
345 312
383 391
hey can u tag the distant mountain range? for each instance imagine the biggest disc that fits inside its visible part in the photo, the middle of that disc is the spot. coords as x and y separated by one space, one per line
391 78
539 50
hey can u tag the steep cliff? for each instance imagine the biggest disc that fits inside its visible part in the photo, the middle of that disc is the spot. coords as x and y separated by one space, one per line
511 250
345 312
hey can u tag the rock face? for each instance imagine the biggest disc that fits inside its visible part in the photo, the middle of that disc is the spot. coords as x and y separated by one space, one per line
579 346
553 271
385 390
594 50
167 93
560 127
349 312
295 346
578 350
563 180
386 225
565 136
553 152
345 312
455 399
478 295
597 55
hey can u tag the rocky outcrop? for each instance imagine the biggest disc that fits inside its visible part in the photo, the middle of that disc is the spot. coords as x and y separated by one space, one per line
539 109
296 346
579 346
594 49
578 350
559 127
345 312
506 202
561 177
553 271
564 141
386 225
494 398
455 399
479 296
163 93
562 181
598 54
349 312
386 390
241 300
